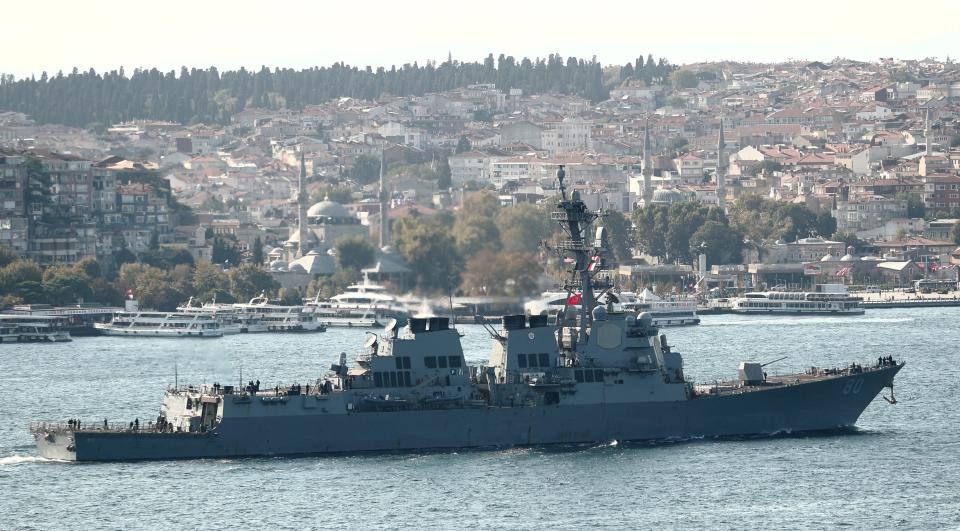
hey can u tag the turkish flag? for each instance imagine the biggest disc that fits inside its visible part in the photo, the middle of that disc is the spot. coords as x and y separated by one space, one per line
573 300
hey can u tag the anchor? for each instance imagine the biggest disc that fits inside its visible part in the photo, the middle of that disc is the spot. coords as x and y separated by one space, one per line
892 399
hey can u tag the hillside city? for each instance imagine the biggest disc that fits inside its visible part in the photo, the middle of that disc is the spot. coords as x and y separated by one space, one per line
776 174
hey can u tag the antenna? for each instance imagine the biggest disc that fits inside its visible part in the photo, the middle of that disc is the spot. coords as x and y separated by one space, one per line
176 377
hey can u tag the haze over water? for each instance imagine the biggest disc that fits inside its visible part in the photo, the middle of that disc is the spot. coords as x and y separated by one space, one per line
898 469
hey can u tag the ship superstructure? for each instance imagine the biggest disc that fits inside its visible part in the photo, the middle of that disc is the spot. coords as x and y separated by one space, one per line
601 373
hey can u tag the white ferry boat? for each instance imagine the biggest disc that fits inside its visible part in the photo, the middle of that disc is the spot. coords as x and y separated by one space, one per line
161 324
673 312
230 319
827 299
361 305
32 329
278 317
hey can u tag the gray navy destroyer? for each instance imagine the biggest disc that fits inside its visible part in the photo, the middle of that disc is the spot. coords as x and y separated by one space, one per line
598 373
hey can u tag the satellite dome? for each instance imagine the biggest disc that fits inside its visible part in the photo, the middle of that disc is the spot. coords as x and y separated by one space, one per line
645 319
599 313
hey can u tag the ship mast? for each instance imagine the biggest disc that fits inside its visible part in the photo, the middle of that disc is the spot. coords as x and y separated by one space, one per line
575 219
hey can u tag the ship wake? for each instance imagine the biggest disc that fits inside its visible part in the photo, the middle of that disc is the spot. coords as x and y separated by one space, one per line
11 460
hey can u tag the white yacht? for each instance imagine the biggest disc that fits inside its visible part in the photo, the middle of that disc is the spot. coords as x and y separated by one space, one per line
230 320
827 299
361 305
672 311
161 324
277 317
32 329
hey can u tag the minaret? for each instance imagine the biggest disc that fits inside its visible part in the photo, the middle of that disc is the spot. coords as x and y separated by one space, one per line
647 168
926 133
302 207
721 175
384 203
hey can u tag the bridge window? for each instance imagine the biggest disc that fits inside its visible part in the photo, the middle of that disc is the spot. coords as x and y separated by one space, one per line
430 362
522 360
377 379
406 378
399 363
599 375
393 379
578 375
454 362
544 359
442 362
406 362
588 376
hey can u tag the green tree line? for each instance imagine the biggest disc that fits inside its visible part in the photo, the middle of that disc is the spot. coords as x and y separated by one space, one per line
197 95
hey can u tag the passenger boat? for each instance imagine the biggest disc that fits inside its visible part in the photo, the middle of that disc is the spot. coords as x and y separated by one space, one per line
161 324
827 299
361 305
226 314
32 329
278 317
672 312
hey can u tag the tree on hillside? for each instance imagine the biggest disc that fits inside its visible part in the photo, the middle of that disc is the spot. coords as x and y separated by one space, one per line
430 251
522 228
151 286
463 145
475 227
955 233
355 252
248 281
619 236
7 256
256 253
209 282
490 273
721 244
683 79
365 169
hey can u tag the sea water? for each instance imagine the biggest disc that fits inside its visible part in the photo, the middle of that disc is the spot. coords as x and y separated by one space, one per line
899 468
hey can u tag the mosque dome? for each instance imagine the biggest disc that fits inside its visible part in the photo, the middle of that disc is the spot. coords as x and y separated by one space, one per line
826 258
848 258
329 209
295 236
278 265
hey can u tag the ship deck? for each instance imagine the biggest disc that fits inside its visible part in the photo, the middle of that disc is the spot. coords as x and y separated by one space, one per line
813 374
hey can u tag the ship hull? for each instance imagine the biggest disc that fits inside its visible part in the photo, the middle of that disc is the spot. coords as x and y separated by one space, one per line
815 406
